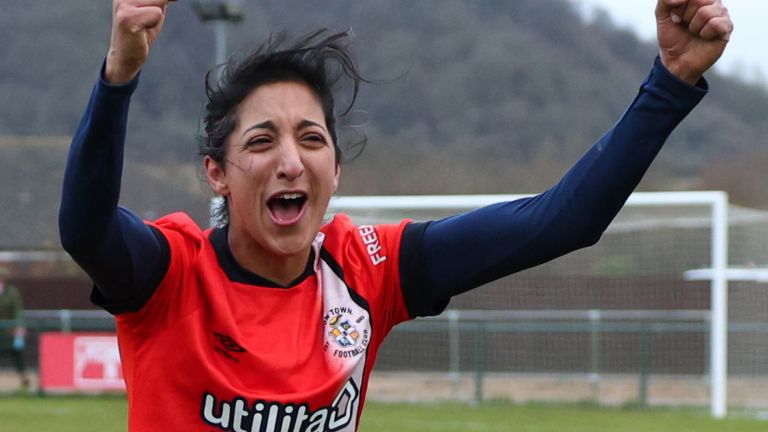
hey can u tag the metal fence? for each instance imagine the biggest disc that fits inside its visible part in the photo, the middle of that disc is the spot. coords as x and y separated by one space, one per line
479 347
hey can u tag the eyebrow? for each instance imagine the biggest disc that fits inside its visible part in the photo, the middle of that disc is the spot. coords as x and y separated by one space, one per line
263 125
270 125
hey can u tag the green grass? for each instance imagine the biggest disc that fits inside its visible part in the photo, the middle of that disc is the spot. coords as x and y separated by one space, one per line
502 416
63 414
108 414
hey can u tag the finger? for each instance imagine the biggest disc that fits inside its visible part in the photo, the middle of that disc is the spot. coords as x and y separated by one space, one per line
670 9
138 3
719 28
704 15
129 6
149 16
692 7
137 19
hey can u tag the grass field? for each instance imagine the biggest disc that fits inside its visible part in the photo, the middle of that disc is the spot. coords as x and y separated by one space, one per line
108 414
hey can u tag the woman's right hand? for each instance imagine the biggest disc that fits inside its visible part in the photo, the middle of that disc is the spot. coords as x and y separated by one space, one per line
136 25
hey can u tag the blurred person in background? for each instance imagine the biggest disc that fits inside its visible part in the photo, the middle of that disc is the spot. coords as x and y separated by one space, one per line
12 330
273 321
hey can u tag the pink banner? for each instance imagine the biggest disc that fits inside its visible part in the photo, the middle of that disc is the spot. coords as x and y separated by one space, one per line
80 362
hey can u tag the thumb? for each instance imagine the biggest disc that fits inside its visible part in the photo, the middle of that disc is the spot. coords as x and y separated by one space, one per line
672 9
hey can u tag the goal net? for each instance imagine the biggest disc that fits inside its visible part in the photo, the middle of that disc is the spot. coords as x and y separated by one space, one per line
638 318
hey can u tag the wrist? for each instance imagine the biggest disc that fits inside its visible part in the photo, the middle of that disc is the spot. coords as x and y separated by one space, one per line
681 71
117 72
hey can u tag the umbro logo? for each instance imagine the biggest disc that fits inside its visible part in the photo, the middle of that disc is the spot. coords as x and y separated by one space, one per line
227 347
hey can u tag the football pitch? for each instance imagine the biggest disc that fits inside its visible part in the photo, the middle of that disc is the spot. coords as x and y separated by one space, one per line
108 414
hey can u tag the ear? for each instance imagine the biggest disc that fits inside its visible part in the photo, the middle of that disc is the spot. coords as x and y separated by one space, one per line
217 179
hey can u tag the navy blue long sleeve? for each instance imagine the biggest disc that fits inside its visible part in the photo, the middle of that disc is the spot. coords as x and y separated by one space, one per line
439 259
125 258
456 254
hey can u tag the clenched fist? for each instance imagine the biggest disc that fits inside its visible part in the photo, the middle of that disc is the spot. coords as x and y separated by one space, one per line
692 35
136 25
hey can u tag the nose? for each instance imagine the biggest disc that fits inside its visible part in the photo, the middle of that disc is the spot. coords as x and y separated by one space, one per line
290 165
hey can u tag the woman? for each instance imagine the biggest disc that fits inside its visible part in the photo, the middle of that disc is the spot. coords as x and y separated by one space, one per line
272 323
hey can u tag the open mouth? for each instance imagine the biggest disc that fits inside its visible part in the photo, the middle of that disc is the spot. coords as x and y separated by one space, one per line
287 208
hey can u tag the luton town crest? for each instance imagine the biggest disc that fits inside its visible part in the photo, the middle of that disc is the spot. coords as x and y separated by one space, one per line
345 334
348 332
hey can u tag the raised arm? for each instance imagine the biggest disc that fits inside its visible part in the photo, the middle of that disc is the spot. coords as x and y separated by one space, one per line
124 257
443 258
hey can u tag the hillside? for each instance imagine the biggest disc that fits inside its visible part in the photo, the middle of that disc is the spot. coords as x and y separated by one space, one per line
31 173
473 97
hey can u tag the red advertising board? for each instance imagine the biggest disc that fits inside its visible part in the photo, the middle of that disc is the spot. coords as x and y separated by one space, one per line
80 362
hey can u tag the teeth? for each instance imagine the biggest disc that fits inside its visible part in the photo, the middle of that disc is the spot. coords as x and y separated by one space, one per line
289 196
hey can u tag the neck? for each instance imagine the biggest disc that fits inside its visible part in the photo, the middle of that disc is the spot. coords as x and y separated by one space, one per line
281 269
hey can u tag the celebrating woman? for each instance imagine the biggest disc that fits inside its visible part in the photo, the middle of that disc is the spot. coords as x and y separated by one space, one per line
272 322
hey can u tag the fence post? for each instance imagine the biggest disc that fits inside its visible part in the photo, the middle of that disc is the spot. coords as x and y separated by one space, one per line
594 360
645 357
453 344
65 316
719 323
479 361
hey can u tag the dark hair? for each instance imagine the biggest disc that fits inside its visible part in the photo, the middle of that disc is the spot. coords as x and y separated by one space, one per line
320 60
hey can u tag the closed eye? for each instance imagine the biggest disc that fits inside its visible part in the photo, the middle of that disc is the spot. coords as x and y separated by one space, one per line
259 142
314 140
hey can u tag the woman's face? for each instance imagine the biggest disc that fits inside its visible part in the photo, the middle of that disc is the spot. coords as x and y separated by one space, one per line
279 171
